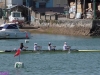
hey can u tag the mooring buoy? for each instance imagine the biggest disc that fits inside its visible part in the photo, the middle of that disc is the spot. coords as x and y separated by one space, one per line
19 65
26 41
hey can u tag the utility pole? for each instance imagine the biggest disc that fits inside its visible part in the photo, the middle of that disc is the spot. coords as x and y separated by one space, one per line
76 6
27 3
5 11
84 12
94 9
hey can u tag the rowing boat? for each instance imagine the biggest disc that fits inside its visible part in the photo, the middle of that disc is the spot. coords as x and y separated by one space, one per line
32 51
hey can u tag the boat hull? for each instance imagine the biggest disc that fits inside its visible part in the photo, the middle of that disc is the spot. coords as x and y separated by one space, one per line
47 51
14 35
32 51
11 31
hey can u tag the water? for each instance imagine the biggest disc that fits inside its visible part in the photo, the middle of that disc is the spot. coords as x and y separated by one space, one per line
73 63
53 64
87 43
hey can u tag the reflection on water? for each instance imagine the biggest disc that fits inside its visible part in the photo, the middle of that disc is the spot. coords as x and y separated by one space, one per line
57 40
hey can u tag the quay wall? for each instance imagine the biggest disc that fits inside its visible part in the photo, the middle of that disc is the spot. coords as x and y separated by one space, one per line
66 27
80 27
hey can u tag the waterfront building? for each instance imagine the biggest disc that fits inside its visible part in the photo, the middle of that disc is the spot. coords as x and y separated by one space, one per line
51 7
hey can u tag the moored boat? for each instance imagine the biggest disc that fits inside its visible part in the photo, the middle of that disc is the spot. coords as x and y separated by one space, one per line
11 31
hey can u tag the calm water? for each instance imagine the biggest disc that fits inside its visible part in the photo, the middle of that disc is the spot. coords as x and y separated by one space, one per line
76 63
57 40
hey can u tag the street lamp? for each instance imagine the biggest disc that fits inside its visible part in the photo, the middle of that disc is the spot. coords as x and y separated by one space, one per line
5 11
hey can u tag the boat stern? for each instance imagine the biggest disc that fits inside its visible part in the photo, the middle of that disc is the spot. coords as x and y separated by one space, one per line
28 35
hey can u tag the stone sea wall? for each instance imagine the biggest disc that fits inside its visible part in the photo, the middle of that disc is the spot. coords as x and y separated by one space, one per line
66 27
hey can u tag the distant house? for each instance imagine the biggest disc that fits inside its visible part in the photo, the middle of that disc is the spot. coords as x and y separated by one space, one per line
2 3
2 6
56 6
11 3
19 5
51 3
44 3
27 3
48 8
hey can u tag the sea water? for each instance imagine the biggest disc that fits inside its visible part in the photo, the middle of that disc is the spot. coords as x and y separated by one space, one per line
54 63
87 43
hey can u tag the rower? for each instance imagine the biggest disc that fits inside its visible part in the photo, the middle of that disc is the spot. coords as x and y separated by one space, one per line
36 47
65 46
22 47
50 47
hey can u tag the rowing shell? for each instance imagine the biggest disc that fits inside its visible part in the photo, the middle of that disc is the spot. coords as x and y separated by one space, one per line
32 51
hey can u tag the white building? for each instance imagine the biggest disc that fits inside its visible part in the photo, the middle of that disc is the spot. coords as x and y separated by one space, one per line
10 3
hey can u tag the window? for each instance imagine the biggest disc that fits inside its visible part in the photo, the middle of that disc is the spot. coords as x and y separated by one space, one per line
1 1
24 2
1 28
42 13
97 0
93 0
16 14
12 26
42 5
58 5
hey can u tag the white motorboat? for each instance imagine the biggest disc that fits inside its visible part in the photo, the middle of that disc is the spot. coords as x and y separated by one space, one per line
11 31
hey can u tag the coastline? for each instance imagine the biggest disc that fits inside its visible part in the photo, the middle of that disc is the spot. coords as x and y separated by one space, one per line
59 30
73 27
